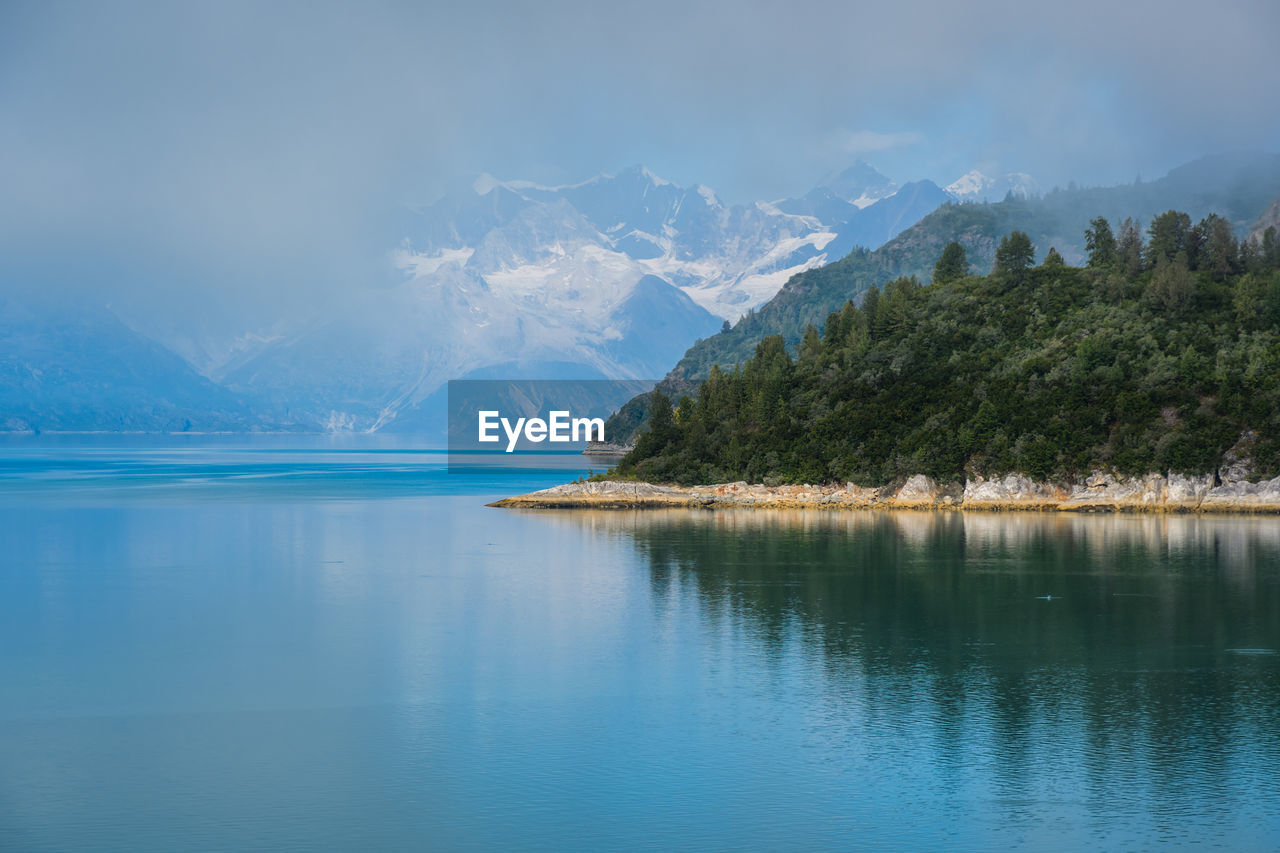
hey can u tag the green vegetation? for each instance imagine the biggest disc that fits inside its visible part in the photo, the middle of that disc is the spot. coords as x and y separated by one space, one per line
1016 255
953 264
1158 356
1235 186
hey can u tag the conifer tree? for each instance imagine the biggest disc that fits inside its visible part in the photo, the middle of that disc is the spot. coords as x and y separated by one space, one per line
1129 248
1169 234
952 265
1171 288
1220 252
1015 254
1101 243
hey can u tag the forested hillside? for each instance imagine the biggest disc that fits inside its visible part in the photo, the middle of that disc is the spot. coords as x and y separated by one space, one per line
1236 187
1159 355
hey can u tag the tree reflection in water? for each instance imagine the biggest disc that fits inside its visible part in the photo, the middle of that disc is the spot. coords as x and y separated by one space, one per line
1116 661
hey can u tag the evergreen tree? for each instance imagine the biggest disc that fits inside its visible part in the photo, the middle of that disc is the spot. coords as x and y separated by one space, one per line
1171 288
952 265
810 344
871 310
1169 234
1066 373
1248 298
1270 248
1250 256
1220 253
661 431
1101 243
1271 302
894 313
1129 248
1015 254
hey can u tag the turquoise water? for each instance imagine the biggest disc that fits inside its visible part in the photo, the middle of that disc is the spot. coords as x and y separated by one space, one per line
286 643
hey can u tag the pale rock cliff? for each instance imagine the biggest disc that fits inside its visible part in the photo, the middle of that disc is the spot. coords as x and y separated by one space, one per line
1227 491
1011 491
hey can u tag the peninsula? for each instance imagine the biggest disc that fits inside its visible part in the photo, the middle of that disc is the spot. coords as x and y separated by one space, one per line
1147 380
1099 493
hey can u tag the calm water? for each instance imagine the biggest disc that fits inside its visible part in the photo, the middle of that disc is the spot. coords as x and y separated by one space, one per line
312 644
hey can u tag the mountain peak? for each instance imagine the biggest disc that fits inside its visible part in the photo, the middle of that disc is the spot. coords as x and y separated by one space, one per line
975 185
861 184
485 183
971 183
642 173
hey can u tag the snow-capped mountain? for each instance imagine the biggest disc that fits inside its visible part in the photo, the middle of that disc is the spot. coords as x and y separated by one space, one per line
611 277
976 186
726 258
862 185
615 276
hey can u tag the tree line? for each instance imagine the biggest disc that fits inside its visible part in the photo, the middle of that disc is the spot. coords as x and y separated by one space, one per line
1161 354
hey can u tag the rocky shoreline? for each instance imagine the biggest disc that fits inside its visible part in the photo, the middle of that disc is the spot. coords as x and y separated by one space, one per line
1101 492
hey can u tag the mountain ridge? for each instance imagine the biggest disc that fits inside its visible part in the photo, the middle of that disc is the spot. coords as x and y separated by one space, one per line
572 273
1215 184
531 274
1163 360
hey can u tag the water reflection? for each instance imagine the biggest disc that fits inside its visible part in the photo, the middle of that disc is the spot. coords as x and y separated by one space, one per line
379 661
1124 665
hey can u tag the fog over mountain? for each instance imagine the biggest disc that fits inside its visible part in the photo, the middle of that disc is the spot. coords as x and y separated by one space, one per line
975 186
285 198
236 161
612 277
1241 188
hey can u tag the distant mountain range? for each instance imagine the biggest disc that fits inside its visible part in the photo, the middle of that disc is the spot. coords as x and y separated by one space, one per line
1237 187
78 367
612 277
975 186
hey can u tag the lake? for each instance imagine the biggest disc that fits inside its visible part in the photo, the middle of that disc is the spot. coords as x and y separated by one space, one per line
331 643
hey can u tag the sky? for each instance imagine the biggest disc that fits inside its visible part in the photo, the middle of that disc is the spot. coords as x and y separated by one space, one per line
249 154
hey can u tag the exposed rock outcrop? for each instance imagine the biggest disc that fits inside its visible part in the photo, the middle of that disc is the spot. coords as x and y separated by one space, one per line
605 494
607 448
1187 492
1243 496
1101 492
1010 492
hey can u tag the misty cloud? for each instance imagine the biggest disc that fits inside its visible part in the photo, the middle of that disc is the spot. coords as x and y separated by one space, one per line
856 143
243 158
